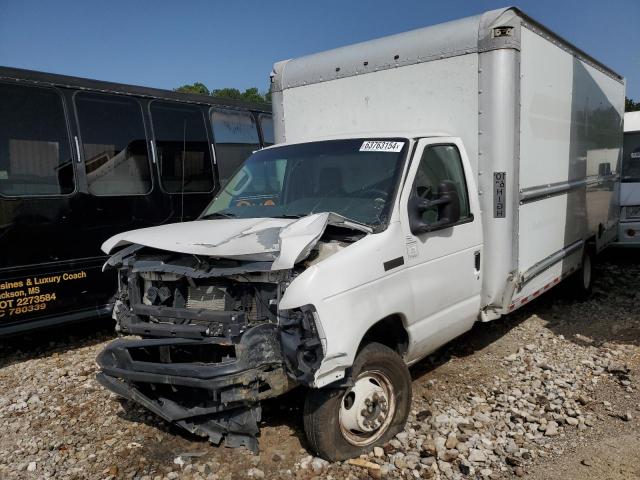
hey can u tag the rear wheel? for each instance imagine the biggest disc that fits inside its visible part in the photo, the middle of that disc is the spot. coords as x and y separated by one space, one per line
344 423
582 280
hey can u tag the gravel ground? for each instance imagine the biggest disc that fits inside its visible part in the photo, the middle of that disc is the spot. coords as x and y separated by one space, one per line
548 392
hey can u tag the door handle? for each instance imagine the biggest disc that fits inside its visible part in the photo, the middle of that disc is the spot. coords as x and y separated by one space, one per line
476 261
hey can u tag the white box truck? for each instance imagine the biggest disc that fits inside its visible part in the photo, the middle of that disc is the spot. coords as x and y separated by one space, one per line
629 229
423 182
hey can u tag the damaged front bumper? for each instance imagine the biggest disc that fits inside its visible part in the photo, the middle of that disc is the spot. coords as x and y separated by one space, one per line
210 386
214 341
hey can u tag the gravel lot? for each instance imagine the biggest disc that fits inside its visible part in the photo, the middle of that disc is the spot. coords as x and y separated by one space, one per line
549 392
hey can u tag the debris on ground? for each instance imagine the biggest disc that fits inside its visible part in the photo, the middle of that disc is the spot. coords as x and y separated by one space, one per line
549 392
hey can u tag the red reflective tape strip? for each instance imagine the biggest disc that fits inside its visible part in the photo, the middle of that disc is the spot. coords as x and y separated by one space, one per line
526 299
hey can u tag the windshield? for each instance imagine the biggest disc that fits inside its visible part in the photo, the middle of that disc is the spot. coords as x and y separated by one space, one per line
356 178
631 157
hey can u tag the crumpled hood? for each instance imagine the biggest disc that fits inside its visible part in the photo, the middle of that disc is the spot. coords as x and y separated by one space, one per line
281 240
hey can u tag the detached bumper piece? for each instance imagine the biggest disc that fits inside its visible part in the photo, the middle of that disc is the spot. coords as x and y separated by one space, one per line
211 387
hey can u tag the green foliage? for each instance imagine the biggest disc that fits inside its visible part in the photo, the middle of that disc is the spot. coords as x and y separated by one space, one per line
630 105
252 95
232 93
196 87
249 95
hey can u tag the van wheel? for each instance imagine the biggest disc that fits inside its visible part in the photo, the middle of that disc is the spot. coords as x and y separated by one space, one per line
582 280
345 423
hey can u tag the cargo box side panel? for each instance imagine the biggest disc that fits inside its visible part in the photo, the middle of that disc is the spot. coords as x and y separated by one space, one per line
498 172
438 96
570 144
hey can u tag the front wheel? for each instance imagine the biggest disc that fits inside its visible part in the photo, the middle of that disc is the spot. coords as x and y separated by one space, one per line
344 423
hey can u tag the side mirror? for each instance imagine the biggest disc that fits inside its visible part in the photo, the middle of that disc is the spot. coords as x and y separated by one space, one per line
447 203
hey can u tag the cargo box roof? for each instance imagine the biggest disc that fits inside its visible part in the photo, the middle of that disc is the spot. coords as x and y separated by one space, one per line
457 37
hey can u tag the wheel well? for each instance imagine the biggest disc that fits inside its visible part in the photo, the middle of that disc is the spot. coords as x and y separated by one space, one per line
591 245
389 331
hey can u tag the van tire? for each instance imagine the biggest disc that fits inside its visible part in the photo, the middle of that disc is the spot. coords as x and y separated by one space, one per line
581 282
378 374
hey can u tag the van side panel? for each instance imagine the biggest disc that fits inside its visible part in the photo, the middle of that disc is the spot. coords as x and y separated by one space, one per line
570 117
438 96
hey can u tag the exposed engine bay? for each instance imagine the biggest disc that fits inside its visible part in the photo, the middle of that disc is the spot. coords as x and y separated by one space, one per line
214 342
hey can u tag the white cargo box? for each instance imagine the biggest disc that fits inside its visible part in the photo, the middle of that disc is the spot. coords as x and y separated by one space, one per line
540 119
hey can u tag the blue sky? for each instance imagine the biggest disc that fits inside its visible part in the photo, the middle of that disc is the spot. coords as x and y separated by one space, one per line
234 43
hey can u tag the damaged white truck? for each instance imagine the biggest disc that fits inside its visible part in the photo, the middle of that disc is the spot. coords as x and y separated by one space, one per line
421 182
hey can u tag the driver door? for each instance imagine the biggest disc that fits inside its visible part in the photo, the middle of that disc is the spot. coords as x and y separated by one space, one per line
444 258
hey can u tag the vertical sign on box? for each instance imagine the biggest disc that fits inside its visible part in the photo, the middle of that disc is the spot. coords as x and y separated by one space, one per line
499 194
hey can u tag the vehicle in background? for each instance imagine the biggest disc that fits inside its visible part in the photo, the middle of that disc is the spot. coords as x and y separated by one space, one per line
420 183
81 160
629 229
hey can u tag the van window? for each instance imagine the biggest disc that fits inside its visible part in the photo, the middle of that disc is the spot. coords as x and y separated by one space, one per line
438 163
266 125
184 156
35 152
114 144
236 136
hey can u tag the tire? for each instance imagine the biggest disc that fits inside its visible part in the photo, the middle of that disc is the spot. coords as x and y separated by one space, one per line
379 375
581 282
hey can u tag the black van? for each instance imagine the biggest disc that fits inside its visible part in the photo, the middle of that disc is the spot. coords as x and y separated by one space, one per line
81 160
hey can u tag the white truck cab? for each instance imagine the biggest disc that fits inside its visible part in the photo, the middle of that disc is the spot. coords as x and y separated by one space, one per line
385 275
363 240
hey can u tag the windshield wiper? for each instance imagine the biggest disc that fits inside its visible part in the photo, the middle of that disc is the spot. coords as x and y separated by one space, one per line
218 215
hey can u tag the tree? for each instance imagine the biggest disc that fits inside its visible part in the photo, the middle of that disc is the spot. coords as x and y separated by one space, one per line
630 105
232 93
196 87
249 95
252 95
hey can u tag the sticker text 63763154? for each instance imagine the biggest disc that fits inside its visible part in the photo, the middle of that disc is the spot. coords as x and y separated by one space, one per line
33 294
381 146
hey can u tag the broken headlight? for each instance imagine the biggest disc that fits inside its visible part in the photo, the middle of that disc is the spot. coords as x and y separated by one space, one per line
303 342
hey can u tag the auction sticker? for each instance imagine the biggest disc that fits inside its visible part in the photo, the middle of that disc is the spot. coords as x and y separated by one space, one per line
381 146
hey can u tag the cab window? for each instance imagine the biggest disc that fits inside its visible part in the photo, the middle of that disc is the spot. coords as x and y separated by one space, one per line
439 163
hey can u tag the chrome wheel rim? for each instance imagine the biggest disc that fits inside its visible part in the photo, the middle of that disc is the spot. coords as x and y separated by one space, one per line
367 408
